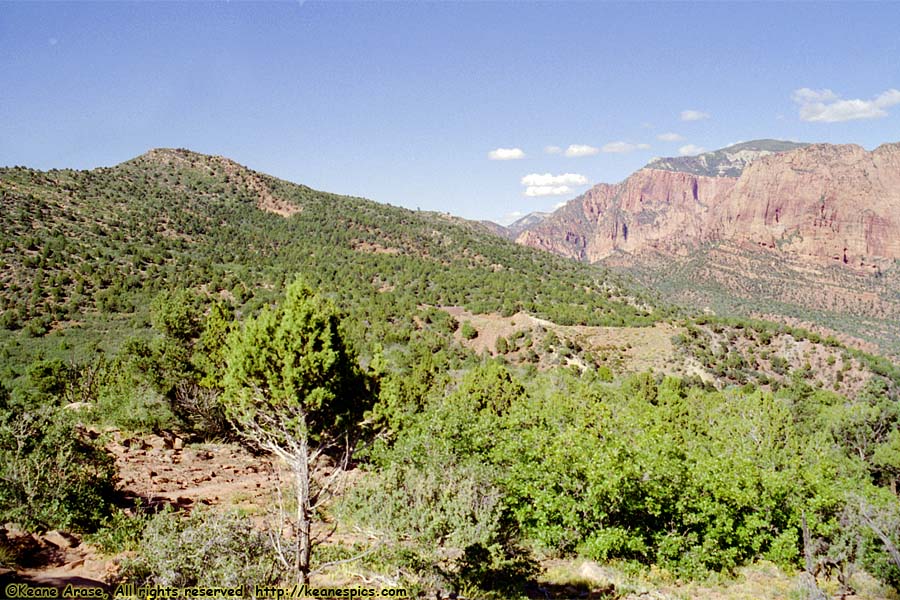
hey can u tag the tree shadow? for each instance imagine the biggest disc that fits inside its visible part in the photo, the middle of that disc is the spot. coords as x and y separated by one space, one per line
542 590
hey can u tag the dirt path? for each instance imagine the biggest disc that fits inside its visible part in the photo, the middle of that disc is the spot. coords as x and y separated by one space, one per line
163 470
627 349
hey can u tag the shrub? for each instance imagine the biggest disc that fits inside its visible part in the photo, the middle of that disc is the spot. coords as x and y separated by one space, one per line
120 532
468 332
206 548
52 476
134 405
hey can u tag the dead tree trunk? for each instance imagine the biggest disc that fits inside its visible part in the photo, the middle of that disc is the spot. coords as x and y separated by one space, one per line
808 579
304 513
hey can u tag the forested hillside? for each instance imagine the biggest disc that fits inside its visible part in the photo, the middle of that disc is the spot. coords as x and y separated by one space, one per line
87 247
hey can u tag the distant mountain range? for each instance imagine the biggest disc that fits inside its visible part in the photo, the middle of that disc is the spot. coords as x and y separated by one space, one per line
805 234
727 162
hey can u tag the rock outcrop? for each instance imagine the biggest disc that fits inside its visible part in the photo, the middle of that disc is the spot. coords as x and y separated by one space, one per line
839 202
824 201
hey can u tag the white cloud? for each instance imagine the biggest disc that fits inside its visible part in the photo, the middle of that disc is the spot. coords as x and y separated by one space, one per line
808 96
827 107
552 149
559 205
506 154
546 184
669 137
581 150
538 179
622 147
690 150
547 190
693 115
52 41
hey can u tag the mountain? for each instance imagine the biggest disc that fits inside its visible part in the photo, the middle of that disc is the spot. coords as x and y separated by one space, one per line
727 162
836 202
84 252
529 220
828 214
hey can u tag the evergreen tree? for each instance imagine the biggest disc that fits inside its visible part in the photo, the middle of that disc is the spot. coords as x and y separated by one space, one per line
292 387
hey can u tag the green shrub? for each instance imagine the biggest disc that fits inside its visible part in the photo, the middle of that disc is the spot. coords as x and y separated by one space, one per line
53 476
207 548
604 373
134 406
429 496
120 532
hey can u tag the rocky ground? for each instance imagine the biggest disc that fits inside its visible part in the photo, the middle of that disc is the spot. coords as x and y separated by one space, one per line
154 471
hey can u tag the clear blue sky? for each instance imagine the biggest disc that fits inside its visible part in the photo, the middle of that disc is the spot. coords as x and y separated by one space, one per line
402 103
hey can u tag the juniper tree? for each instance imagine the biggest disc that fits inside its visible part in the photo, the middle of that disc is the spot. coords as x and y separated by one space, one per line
292 387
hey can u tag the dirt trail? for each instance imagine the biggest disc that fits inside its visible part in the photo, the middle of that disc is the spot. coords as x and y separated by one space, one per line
631 349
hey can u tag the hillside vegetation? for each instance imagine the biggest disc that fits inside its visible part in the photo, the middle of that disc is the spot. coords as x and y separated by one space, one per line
84 246
457 412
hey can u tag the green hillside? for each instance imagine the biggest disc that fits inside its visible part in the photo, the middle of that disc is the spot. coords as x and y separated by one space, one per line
89 249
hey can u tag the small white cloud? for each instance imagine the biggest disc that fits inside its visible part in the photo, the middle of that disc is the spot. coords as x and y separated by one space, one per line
808 96
623 147
506 154
52 41
690 150
547 190
559 205
538 179
693 115
581 150
547 184
552 149
669 137
827 107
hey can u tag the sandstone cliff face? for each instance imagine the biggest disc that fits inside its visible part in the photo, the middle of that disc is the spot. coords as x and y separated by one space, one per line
839 202
653 208
824 201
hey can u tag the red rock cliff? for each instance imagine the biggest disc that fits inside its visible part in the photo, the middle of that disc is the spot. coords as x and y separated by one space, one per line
840 202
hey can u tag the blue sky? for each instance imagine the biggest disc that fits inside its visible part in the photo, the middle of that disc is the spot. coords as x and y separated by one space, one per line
404 103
